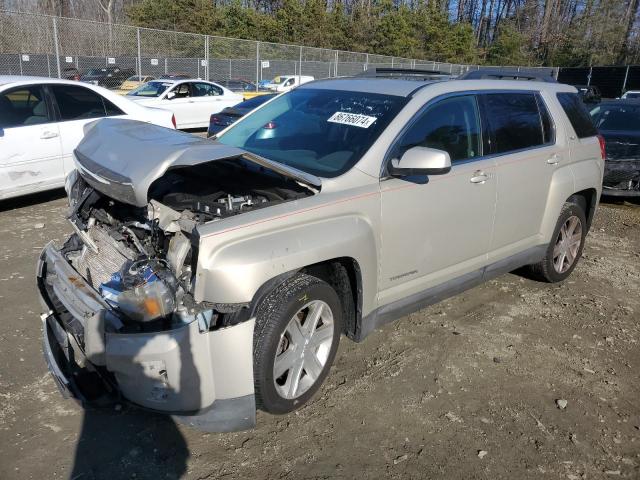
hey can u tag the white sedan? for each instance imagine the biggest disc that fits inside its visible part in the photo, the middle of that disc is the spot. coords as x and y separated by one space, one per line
192 101
42 121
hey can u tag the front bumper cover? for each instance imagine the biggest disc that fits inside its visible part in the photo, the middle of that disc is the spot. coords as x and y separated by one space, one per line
621 178
204 379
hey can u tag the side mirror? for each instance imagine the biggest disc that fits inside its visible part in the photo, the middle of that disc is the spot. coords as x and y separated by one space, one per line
171 95
421 161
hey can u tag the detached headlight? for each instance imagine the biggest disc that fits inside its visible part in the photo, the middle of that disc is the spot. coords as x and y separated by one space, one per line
144 291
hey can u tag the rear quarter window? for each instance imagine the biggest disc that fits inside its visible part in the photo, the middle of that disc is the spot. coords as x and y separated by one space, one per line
577 113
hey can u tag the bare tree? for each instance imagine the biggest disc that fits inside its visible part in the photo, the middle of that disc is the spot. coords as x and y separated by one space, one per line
107 7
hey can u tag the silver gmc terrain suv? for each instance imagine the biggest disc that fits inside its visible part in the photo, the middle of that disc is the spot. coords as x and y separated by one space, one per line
206 279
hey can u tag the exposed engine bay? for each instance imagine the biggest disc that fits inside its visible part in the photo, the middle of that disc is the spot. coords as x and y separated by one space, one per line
142 260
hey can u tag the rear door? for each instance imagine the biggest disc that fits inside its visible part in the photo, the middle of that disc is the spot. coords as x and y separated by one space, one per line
76 106
30 152
209 99
521 139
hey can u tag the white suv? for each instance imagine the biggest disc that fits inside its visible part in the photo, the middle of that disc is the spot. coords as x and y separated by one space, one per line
211 278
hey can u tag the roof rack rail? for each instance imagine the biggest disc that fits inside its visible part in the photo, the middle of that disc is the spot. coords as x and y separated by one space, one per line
504 74
406 73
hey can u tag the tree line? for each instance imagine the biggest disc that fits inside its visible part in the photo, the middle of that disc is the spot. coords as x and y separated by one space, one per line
494 32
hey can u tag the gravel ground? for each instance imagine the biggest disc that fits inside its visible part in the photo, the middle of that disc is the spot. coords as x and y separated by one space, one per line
470 388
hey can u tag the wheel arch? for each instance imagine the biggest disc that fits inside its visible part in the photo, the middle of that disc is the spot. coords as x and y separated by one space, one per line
588 200
343 274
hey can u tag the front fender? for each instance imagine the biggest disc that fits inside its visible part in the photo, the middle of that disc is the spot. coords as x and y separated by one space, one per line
231 269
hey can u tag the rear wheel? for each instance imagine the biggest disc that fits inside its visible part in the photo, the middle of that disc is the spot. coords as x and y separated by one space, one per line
565 248
297 332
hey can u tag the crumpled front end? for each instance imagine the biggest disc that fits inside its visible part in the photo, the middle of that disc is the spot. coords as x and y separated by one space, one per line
203 375
121 319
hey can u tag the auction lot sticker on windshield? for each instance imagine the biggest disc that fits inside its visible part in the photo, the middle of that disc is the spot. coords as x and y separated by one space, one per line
353 119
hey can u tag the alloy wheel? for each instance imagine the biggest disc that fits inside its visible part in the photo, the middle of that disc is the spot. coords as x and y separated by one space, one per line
303 349
567 244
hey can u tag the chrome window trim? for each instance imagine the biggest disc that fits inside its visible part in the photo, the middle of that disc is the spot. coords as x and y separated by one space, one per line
475 92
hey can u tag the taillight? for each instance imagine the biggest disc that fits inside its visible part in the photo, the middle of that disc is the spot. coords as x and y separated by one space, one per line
173 120
216 120
270 125
603 150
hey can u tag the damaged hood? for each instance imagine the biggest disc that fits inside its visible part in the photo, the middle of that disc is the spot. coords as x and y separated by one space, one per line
122 158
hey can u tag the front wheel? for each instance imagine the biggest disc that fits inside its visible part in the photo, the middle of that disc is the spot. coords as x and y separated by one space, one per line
298 327
565 248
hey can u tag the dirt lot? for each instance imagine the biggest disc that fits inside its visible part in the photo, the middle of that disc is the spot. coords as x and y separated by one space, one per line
424 397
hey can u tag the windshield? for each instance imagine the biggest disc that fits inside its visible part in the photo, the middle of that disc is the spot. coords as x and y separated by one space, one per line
632 95
133 78
151 89
322 132
617 117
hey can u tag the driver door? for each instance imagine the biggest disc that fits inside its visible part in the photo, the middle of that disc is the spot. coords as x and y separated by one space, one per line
181 104
438 228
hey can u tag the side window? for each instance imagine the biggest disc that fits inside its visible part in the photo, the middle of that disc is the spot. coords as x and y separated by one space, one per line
111 109
23 106
205 90
452 125
77 103
578 115
182 91
514 121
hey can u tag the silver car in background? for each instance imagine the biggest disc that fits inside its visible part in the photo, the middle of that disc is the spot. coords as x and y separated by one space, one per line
207 279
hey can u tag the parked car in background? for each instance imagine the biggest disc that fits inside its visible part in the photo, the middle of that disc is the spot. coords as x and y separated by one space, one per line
134 81
175 76
211 278
71 73
284 83
108 77
631 94
589 93
191 101
42 120
618 121
238 85
220 121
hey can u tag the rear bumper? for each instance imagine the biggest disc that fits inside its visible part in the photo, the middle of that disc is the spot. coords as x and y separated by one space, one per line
621 178
204 379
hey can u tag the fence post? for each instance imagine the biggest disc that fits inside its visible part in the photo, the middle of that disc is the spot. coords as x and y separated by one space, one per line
589 76
57 48
206 57
257 64
139 55
300 68
335 67
366 65
624 84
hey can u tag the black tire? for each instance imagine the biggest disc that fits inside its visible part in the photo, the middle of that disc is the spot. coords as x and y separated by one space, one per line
273 315
545 269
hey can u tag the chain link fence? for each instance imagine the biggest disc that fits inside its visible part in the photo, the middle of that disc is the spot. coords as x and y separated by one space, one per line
42 45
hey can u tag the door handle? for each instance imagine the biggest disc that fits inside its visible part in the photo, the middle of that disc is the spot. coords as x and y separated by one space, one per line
553 159
479 177
47 135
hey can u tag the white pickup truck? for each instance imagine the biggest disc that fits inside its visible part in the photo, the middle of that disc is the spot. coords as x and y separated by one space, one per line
284 83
